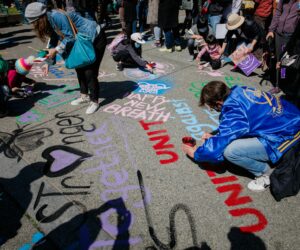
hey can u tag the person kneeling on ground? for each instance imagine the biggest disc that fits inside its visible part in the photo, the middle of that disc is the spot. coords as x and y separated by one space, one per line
256 129
129 53
211 53
16 76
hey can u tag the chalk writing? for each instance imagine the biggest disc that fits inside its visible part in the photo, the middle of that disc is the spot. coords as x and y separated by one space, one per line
71 127
162 147
194 128
147 107
113 176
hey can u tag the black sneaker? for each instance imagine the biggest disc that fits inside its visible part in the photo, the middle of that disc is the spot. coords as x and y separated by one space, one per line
119 67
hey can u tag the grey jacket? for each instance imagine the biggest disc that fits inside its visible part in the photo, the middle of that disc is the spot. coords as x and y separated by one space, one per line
152 17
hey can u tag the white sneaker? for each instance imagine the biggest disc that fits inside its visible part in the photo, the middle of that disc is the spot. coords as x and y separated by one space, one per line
165 49
80 100
259 183
178 48
92 108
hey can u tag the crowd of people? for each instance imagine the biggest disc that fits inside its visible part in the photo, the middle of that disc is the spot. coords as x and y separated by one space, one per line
212 30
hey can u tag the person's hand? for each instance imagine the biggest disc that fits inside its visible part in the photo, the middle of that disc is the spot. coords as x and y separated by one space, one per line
52 53
190 151
45 69
278 65
249 50
149 68
205 136
270 34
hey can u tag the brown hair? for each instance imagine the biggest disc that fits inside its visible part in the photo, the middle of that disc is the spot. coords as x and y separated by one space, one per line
43 28
212 92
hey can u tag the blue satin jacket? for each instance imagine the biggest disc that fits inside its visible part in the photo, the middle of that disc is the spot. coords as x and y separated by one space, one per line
249 112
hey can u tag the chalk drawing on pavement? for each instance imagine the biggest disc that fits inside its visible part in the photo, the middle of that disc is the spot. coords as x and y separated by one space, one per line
30 117
153 87
62 160
161 69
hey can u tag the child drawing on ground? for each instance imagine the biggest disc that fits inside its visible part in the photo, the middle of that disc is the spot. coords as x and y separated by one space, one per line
211 53
16 76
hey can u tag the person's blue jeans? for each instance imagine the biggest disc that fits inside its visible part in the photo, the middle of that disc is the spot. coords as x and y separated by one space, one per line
248 153
157 33
169 39
172 36
141 13
213 21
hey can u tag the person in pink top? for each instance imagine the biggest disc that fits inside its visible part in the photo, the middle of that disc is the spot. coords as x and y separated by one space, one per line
211 53
16 75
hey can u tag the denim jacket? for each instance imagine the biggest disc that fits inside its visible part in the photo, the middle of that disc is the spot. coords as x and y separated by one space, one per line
60 24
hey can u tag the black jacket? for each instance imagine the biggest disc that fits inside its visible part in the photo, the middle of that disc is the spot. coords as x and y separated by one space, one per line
285 179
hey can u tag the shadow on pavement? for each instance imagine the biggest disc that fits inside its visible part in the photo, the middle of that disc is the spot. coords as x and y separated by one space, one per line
11 212
12 33
111 91
19 106
223 168
244 241
82 230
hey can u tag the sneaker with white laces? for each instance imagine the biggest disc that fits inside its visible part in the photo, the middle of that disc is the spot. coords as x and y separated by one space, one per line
80 100
259 183
92 108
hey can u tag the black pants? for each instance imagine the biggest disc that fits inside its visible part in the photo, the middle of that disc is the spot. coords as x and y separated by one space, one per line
88 75
215 64
280 44
124 57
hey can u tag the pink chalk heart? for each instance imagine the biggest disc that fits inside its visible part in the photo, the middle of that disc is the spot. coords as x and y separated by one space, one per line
62 159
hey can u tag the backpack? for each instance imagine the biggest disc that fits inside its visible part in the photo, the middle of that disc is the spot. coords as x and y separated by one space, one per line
113 45
285 179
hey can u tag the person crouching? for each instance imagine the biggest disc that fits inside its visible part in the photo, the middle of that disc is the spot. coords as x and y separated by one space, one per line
128 53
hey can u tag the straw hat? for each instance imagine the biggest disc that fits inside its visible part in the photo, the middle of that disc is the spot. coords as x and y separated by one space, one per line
234 21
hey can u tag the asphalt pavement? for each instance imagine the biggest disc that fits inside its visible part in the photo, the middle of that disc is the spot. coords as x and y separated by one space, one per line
117 179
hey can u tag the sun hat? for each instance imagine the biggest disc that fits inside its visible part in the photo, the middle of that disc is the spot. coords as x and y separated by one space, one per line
234 21
137 37
23 66
3 65
34 10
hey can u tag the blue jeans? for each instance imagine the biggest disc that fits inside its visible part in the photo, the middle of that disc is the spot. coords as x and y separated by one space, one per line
213 21
249 154
172 36
157 33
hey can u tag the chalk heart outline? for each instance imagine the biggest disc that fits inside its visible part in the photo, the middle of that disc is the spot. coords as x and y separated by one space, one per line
62 160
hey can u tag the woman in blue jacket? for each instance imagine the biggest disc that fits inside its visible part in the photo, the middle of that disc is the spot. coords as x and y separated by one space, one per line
55 24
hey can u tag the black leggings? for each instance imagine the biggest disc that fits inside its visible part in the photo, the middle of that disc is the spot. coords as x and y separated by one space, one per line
88 75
